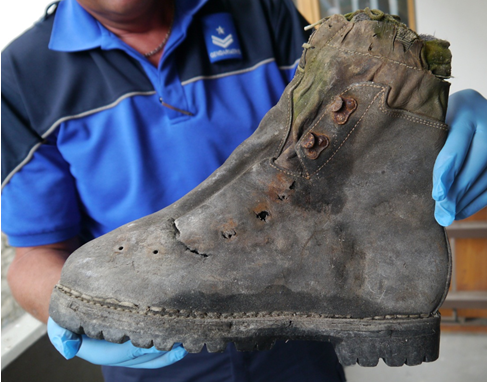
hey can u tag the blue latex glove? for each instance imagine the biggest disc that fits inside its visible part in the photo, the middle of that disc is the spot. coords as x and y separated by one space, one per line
460 172
106 353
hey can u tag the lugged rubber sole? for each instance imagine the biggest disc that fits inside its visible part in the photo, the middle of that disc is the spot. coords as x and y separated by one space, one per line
398 340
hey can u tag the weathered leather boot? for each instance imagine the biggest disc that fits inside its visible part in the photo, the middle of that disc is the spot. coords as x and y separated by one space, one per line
319 226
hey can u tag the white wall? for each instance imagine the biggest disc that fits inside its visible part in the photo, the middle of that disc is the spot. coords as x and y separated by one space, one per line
19 15
464 24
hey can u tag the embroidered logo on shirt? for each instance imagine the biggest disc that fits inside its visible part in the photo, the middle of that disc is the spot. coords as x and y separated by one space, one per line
224 44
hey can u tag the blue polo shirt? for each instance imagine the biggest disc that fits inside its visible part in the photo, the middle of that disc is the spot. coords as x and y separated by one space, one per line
95 136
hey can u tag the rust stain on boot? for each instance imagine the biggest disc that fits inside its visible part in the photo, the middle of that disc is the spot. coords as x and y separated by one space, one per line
228 230
313 144
281 187
342 108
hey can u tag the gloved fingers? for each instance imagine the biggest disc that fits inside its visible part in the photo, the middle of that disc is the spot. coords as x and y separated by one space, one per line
444 174
469 180
448 210
155 361
450 160
65 341
472 202
101 352
444 216
474 192
139 361
464 102
475 206
467 116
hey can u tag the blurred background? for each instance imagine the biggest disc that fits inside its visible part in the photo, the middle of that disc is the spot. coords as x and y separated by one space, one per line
28 356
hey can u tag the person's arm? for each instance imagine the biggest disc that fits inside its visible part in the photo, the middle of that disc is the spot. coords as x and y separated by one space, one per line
35 271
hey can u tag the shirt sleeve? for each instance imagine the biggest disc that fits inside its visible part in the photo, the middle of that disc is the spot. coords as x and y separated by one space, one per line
39 198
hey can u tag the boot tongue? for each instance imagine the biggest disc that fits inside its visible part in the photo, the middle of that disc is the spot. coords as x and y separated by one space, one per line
435 53
367 45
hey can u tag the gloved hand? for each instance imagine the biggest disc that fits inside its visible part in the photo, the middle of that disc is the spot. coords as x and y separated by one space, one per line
460 171
102 352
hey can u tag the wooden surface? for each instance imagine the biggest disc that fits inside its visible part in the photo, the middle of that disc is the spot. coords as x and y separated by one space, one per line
411 15
310 9
469 274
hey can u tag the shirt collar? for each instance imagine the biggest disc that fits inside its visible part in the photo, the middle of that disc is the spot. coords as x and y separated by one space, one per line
75 29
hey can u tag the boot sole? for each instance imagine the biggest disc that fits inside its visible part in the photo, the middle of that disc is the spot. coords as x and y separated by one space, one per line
398 340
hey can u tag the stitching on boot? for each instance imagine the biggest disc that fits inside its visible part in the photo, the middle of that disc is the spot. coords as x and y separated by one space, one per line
286 132
305 169
285 171
394 114
323 115
308 175
385 58
342 93
403 115
353 129
288 119
380 57
176 313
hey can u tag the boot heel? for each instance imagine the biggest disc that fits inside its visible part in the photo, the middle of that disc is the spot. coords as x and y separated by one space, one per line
409 342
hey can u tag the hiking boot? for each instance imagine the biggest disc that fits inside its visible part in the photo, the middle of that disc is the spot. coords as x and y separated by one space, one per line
320 226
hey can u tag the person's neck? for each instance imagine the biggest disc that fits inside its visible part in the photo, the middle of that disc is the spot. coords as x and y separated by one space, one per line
145 31
141 22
